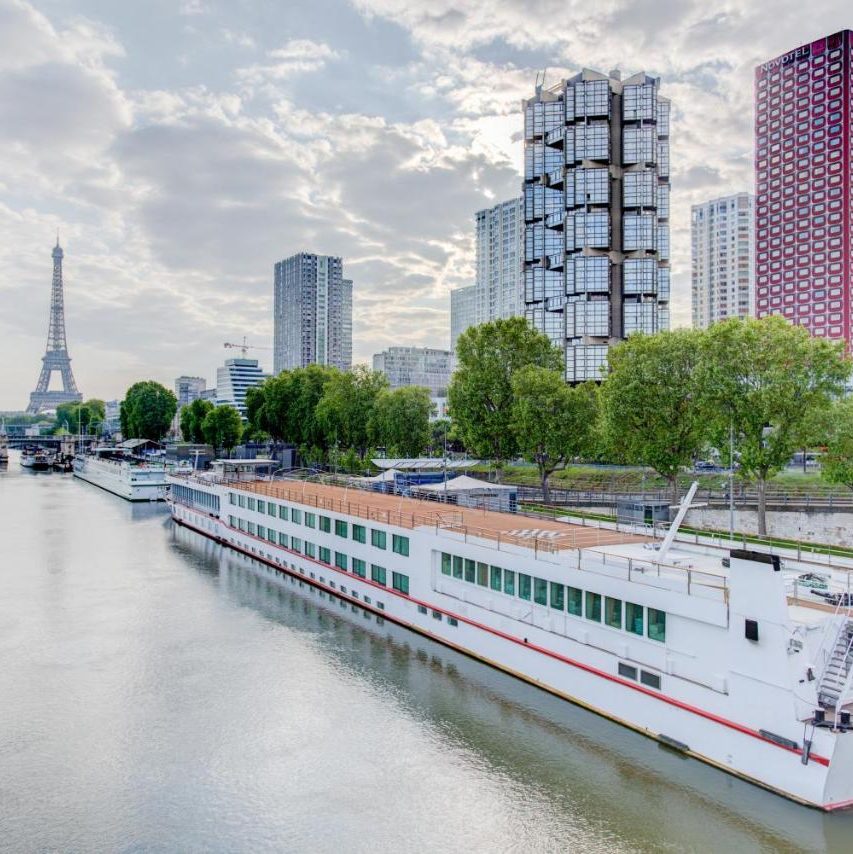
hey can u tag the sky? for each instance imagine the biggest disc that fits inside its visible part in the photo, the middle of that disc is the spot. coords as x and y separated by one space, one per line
182 147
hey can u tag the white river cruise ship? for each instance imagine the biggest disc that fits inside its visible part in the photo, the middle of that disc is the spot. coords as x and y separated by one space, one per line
121 473
723 655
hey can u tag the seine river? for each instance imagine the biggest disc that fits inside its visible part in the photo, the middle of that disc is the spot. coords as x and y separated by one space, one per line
160 694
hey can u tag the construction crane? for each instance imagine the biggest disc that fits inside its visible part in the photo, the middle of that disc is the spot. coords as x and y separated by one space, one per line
243 347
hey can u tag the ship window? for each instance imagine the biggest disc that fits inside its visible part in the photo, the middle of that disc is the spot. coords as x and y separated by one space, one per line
310 520
446 563
359 567
262 506
540 591
400 582
296 544
400 544
282 512
524 586
367 600
359 533
270 509
271 536
495 578
325 524
457 566
295 515
627 671
252 529
378 538
509 582
575 600
558 596
483 574
232 497
657 625
341 560
310 549
242 499
436 615
593 606
422 609
470 571
340 528
377 574
325 555
251 502
634 618
262 531
452 621
613 612
381 606
650 679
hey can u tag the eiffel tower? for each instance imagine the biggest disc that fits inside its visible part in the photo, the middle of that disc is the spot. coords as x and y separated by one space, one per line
56 357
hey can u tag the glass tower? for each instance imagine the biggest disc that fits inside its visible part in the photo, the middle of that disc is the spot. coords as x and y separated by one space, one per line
500 249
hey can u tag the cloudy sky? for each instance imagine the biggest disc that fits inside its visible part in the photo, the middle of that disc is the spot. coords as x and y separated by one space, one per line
181 147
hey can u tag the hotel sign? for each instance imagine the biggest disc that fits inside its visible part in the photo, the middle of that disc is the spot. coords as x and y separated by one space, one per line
787 58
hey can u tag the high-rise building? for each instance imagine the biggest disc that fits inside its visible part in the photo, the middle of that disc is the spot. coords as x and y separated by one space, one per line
463 312
420 366
500 253
234 379
188 389
723 258
803 128
596 210
313 313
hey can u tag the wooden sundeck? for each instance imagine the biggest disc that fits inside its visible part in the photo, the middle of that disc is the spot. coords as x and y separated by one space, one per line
540 534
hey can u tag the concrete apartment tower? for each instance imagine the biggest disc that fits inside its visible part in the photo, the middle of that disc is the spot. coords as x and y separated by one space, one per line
312 313
500 254
803 186
463 312
596 210
723 259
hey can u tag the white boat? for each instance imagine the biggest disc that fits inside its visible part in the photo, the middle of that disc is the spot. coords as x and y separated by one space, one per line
711 651
37 459
123 474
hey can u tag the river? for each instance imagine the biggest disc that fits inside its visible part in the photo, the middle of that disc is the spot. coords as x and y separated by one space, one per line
159 693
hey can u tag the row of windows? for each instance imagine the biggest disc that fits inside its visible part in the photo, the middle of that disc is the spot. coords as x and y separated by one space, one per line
614 613
378 538
341 561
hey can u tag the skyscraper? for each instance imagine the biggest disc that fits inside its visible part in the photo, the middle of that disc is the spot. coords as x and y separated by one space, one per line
723 256
188 389
312 313
500 252
416 366
596 210
233 381
463 312
803 129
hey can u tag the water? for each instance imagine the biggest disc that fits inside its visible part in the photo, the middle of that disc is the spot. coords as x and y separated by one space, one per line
160 694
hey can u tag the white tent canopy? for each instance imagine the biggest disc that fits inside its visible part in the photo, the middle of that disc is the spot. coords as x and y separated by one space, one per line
463 483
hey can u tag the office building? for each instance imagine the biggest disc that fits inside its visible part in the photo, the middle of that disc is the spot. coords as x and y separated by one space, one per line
234 379
723 259
803 186
500 253
596 210
188 389
312 313
419 366
463 312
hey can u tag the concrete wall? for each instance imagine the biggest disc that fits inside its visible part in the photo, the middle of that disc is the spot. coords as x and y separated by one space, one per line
812 526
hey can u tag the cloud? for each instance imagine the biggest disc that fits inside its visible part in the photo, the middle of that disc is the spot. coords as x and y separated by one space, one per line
298 56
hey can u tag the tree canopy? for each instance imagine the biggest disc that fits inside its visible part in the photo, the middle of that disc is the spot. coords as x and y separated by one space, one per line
400 421
147 411
480 394
72 417
222 427
837 461
192 420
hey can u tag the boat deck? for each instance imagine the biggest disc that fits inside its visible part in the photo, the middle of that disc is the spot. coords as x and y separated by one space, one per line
541 534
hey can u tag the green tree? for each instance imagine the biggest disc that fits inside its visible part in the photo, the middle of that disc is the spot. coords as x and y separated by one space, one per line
837 461
73 417
552 422
651 407
480 394
400 420
764 380
192 419
147 411
222 427
344 411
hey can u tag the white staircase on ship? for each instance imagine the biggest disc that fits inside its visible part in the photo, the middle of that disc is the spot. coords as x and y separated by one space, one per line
835 681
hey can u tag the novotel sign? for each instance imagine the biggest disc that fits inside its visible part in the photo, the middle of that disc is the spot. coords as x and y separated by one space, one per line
787 58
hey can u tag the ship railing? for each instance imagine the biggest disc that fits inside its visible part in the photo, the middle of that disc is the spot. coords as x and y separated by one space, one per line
701 583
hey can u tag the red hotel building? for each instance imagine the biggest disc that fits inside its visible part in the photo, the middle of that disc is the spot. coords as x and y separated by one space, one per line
803 186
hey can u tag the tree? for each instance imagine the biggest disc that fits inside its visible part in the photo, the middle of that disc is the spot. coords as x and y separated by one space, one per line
763 380
192 420
837 461
400 421
222 427
650 402
345 409
552 422
147 411
73 417
480 394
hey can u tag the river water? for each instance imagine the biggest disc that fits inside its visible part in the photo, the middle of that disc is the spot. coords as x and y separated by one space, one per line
158 693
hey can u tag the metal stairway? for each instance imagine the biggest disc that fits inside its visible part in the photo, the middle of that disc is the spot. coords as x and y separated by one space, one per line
834 687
